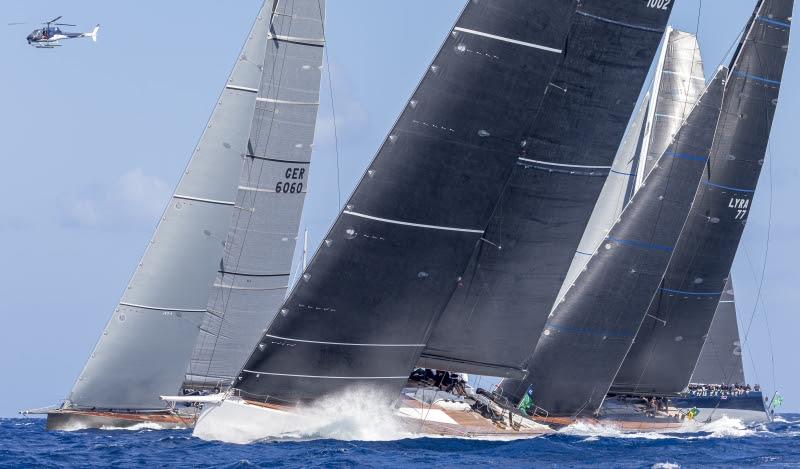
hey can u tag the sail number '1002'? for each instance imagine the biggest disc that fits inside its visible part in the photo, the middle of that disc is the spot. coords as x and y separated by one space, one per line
659 4
291 185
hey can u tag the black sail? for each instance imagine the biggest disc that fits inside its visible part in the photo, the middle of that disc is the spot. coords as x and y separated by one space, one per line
515 274
672 335
720 360
364 307
590 331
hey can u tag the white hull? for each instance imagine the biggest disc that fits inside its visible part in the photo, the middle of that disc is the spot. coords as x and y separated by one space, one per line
235 421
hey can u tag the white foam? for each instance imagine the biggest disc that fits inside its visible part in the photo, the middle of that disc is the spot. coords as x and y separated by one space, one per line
666 465
726 427
594 431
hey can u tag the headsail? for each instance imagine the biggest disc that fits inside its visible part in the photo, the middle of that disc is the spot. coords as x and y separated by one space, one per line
146 345
720 360
253 275
514 276
678 84
589 333
672 335
363 309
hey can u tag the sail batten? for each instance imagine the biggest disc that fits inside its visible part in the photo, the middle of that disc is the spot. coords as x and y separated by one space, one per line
508 288
678 320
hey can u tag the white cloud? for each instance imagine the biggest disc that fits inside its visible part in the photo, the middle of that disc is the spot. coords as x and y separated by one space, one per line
135 199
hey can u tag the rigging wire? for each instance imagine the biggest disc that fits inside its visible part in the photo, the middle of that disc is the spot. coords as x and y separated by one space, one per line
333 112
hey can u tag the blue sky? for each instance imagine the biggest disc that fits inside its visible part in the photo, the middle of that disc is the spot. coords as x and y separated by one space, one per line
95 137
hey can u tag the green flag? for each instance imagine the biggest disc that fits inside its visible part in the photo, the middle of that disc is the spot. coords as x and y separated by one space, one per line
527 401
777 401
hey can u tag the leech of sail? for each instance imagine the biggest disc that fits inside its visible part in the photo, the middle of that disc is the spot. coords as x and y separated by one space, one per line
417 225
341 343
509 40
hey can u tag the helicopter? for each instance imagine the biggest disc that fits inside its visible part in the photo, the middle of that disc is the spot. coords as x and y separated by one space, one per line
49 36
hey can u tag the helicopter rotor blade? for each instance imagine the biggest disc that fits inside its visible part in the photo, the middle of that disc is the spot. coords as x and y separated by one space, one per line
64 24
55 19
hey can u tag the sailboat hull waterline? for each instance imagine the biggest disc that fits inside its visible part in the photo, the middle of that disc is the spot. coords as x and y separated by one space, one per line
72 420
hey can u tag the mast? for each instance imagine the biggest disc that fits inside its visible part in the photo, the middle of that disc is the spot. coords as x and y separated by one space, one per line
508 289
587 335
254 273
146 344
720 360
671 337
364 307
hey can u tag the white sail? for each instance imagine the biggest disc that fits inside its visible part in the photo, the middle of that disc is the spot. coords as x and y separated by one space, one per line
677 86
148 341
255 269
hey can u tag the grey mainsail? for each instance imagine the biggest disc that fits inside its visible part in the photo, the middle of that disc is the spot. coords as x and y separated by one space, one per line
515 274
588 334
364 307
720 360
679 82
253 275
671 337
148 341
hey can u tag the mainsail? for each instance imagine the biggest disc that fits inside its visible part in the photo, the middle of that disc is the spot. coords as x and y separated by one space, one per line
253 275
720 360
672 335
590 331
363 309
146 345
509 287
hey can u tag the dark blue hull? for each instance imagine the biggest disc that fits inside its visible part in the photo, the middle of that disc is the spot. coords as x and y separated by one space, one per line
749 407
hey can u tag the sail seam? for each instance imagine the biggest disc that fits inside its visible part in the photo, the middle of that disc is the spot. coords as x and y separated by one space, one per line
620 23
342 343
200 199
681 292
756 78
281 101
323 377
773 22
417 225
720 186
158 308
509 40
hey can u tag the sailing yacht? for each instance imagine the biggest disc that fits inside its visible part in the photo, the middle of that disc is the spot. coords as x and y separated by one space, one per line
224 243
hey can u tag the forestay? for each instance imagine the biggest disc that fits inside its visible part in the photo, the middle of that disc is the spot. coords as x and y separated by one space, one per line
508 289
364 307
720 360
253 276
145 347
589 333
672 335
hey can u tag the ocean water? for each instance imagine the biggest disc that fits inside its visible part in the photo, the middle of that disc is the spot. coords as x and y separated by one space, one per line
727 443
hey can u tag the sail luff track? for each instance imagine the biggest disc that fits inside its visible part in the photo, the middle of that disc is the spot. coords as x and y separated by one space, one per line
671 337
502 301
383 277
253 276
146 344
587 335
